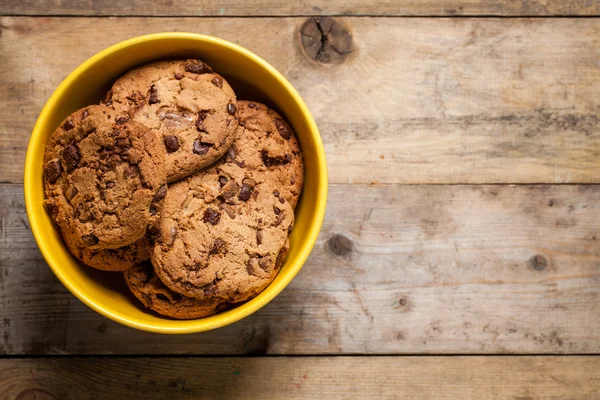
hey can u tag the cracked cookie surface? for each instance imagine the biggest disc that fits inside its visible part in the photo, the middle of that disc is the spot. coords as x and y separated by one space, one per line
223 231
193 109
104 178
150 290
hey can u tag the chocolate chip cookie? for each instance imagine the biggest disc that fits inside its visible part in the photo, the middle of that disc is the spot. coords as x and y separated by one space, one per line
193 109
146 286
104 177
222 233
268 144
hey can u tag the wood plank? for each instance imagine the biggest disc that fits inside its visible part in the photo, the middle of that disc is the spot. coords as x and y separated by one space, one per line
302 7
420 100
303 378
397 269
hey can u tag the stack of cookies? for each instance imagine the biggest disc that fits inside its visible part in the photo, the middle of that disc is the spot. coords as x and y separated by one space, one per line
172 180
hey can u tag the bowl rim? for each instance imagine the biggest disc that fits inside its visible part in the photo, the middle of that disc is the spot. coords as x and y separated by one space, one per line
201 324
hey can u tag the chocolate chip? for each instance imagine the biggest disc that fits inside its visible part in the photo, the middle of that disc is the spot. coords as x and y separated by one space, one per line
70 192
160 194
269 161
178 76
131 171
197 67
245 192
283 128
136 97
110 184
212 216
280 258
201 117
217 81
222 180
122 120
71 157
153 210
280 218
153 95
68 125
251 265
260 221
290 228
200 148
276 210
251 105
282 200
171 143
218 247
263 263
259 237
52 171
231 108
241 164
89 240
276 193
85 114
231 153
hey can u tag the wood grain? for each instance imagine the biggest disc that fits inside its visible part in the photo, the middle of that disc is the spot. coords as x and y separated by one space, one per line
301 378
419 100
397 269
302 7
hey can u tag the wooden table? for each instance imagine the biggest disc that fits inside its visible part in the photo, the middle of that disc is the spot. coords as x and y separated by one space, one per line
460 254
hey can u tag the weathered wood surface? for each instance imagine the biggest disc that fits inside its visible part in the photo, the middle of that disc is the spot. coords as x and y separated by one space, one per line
397 269
418 100
301 7
300 378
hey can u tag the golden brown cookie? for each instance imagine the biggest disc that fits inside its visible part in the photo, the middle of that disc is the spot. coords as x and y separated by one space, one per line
192 108
104 177
222 233
146 286
268 144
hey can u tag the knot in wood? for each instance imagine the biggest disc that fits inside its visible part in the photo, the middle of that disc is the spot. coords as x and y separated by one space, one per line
340 245
538 262
325 40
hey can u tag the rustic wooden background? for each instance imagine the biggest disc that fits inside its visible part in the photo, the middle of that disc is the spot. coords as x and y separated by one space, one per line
460 254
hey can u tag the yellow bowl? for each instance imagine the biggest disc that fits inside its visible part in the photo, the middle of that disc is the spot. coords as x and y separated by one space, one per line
252 78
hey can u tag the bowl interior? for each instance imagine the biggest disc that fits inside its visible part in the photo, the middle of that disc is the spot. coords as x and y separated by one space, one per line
252 79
